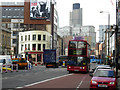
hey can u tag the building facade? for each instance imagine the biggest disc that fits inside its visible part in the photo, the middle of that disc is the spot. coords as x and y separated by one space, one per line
89 31
64 31
12 19
5 44
33 43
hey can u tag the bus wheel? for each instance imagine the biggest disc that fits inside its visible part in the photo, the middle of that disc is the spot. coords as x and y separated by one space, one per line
70 71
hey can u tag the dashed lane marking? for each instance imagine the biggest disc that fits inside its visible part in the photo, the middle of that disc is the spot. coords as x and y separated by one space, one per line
80 83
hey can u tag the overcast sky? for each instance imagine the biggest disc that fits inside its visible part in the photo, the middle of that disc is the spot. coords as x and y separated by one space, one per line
91 9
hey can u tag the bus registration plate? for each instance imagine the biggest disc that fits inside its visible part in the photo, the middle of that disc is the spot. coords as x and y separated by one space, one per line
76 70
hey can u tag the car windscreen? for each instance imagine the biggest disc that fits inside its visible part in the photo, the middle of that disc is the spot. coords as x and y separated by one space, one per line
104 73
23 61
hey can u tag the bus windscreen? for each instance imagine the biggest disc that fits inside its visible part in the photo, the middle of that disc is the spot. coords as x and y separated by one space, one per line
77 44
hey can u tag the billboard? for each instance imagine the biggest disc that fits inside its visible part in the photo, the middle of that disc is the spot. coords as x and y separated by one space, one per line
40 9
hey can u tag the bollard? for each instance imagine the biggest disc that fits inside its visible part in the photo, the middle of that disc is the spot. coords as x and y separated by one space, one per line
30 65
6 68
63 63
16 67
12 68
1 68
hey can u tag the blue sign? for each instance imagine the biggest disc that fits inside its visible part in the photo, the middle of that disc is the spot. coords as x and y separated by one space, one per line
49 55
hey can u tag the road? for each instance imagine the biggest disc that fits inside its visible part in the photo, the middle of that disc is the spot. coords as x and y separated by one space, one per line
41 77
73 81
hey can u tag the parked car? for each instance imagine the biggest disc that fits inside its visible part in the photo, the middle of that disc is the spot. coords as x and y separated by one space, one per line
5 60
104 79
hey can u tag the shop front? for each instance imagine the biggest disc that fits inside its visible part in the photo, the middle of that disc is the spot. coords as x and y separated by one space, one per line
36 58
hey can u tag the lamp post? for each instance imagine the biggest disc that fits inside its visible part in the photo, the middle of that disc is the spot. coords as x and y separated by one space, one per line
108 28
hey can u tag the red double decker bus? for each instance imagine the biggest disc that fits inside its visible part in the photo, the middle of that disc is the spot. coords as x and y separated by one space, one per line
78 56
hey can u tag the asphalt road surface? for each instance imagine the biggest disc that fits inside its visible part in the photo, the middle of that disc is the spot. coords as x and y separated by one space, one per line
25 77
70 81
41 77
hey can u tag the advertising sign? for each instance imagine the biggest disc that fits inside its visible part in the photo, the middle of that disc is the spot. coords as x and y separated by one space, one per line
40 9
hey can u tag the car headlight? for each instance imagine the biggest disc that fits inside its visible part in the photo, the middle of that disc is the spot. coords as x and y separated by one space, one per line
83 67
112 83
69 67
94 82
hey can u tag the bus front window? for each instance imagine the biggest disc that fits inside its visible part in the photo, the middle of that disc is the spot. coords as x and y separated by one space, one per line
81 61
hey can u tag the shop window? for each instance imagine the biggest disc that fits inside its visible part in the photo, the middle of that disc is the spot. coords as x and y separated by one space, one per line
34 47
39 57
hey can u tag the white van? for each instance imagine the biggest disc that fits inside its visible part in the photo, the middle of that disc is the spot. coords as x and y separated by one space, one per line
5 60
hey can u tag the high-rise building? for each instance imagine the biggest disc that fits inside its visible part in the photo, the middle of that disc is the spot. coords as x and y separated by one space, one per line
102 29
76 16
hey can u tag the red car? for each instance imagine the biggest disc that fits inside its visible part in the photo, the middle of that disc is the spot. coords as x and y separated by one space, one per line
104 79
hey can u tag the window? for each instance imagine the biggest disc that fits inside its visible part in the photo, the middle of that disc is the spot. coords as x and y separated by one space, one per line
15 9
25 37
10 9
28 46
39 46
39 37
9 16
15 33
43 46
34 37
25 46
14 41
9 25
34 47
21 25
15 25
3 16
21 47
44 37
29 37
21 38
3 25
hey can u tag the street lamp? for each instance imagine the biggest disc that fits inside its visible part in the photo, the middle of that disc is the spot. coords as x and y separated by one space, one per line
108 28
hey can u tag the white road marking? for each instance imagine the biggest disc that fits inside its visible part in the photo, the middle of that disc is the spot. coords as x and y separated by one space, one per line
45 81
80 83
